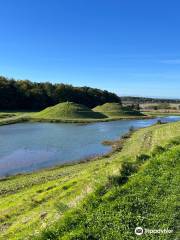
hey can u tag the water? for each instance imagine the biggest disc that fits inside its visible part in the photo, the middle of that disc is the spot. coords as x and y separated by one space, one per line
26 147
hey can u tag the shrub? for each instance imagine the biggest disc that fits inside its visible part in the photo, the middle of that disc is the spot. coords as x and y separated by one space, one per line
142 158
174 142
102 189
158 150
115 180
127 169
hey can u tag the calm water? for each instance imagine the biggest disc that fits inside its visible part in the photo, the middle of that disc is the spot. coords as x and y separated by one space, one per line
27 147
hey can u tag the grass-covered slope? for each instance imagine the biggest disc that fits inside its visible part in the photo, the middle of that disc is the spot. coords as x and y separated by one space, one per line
14 117
115 110
68 110
149 200
33 202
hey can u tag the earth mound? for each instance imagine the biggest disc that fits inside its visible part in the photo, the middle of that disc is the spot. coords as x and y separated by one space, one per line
116 110
69 110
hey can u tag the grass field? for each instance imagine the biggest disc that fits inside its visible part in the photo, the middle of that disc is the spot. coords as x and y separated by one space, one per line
33 202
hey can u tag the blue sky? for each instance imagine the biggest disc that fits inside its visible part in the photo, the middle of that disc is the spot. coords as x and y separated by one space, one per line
130 47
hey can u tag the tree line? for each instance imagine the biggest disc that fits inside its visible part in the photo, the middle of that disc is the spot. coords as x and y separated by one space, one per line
141 100
27 95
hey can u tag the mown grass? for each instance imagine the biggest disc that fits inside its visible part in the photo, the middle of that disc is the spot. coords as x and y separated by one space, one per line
116 110
72 112
35 201
69 110
148 199
11 117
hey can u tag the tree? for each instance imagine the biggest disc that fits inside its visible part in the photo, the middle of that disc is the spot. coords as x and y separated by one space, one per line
24 94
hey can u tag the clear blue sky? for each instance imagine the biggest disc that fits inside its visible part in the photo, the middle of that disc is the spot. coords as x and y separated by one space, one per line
131 47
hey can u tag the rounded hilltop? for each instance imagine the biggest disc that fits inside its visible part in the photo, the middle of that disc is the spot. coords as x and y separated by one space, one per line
116 110
68 110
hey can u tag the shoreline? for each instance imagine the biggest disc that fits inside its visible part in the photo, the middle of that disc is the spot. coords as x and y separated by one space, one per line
116 146
26 118
48 195
85 121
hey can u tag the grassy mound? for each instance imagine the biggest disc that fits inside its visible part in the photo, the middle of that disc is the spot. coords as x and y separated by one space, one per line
68 110
115 110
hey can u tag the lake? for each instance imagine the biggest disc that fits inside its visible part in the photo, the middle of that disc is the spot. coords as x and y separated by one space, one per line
26 147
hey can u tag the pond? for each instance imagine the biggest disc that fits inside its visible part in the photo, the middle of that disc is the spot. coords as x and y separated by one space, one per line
26 147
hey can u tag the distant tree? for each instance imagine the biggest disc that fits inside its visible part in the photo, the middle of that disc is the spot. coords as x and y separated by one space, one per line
141 100
136 107
24 94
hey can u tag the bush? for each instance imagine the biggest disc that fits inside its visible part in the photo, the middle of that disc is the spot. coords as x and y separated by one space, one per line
115 180
174 142
103 189
158 150
142 158
126 170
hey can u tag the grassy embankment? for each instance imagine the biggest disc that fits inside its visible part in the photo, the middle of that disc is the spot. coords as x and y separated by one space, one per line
144 194
74 113
10 117
31 202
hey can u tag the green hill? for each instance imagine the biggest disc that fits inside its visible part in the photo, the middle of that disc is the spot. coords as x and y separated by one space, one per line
115 110
68 110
